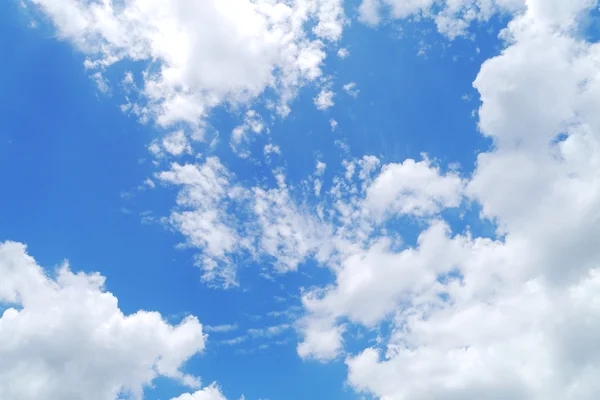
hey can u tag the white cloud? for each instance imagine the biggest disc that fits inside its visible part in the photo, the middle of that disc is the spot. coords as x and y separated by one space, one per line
269 332
149 183
343 53
324 99
415 188
451 17
268 223
351 89
101 82
322 340
320 168
66 338
176 144
371 284
202 215
515 317
211 392
290 233
240 139
330 16
235 341
528 341
271 149
202 54
274 225
155 149
370 279
220 328
318 182
333 124
277 227
369 12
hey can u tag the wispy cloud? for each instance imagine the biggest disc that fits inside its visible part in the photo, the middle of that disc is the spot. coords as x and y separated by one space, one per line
269 332
220 328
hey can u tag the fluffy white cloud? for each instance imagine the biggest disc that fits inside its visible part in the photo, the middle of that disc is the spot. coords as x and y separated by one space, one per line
414 188
373 282
324 99
343 53
322 339
517 317
370 12
526 341
176 143
546 194
202 54
203 215
513 317
528 298
66 338
211 392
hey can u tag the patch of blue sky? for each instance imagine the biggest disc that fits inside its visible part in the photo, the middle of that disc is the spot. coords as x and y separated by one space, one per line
590 26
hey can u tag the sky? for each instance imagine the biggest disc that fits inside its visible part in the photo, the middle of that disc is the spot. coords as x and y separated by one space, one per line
299 199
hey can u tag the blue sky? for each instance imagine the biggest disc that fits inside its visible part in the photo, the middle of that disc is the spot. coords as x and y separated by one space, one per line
416 235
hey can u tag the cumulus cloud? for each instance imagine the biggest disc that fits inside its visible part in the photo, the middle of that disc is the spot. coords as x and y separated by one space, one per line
322 340
514 316
64 337
324 99
176 144
526 342
415 188
202 54
211 392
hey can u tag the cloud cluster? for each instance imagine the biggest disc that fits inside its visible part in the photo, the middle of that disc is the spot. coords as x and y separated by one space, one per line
513 316
66 338
198 55
452 18
204 215
230 222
